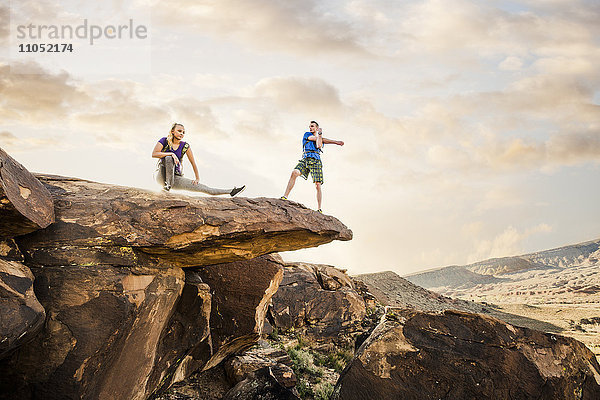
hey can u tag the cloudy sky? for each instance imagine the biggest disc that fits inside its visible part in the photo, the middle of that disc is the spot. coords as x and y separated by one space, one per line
472 128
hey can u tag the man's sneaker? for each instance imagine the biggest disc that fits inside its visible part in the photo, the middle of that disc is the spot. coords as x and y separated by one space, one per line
237 190
319 210
283 198
167 187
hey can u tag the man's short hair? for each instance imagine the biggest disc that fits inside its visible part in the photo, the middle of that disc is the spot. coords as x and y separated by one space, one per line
314 122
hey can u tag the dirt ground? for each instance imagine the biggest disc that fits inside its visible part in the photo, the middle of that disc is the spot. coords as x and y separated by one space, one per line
579 321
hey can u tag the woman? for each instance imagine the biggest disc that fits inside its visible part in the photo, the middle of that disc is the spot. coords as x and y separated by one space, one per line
170 150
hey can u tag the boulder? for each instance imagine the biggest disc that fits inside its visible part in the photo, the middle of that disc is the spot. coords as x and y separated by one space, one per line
261 384
101 224
318 300
25 204
211 384
100 337
263 355
21 314
459 355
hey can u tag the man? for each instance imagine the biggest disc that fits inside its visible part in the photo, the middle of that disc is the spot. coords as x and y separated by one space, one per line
312 144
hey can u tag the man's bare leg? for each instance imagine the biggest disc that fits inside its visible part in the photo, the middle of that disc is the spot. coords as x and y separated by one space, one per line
319 194
291 182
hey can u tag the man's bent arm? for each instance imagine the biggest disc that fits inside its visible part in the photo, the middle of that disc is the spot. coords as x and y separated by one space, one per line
326 141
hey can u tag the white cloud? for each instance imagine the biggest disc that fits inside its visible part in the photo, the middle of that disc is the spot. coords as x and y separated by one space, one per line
511 63
501 197
7 138
295 26
309 95
507 243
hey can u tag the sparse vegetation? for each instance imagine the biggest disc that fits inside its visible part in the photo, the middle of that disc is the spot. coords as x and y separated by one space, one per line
323 391
304 363
336 359
590 321
274 335
316 369
391 315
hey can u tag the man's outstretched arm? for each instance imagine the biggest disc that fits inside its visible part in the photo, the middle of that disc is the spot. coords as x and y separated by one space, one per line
331 141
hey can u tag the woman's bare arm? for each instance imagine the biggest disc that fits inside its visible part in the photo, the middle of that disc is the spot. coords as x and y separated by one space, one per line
190 155
157 153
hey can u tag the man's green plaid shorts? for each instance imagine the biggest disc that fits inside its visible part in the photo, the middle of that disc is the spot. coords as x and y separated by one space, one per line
312 165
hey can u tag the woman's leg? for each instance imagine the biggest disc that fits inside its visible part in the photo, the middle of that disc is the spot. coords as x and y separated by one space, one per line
167 172
188 184
160 174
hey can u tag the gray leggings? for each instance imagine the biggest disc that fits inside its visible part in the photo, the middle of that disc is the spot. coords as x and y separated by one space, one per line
166 175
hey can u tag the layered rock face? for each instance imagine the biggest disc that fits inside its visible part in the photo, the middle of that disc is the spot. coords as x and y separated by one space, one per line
139 288
242 293
101 322
458 355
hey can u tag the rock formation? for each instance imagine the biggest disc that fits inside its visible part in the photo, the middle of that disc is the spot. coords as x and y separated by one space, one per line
242 292
185 344
241 367
318 300
260 384
25 205
123 318
137 290
457 355
21 314
100 224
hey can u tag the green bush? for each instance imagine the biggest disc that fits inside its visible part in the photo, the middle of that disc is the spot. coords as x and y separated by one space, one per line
304 389
337 360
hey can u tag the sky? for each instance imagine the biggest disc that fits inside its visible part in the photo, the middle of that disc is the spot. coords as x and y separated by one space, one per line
471 129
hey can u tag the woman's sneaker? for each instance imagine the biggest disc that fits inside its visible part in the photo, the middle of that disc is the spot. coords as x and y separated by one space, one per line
237 190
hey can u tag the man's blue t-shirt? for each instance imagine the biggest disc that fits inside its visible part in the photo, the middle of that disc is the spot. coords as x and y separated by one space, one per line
309 147
178 152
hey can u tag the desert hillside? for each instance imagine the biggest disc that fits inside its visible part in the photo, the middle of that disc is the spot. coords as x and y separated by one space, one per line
567 274
559 286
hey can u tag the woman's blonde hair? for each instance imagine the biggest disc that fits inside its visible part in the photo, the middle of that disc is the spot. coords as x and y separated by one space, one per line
170 135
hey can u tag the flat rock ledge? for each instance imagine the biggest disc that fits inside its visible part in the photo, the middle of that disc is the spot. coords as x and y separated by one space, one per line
102 224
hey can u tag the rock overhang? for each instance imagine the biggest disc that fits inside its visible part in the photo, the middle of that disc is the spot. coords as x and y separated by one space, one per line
102 224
